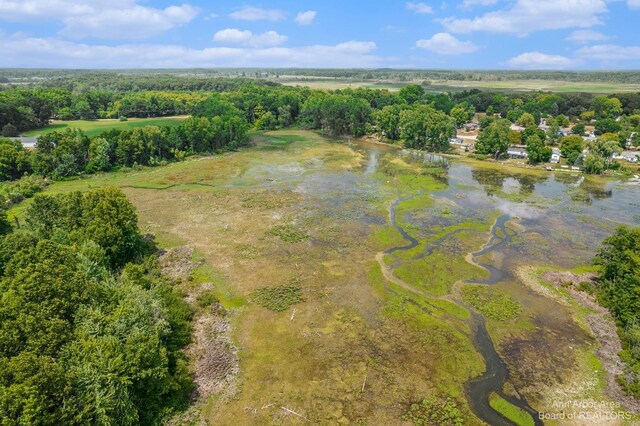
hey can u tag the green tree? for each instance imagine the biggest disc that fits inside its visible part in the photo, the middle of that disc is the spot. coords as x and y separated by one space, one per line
619 291
527 120
99 160
607 125
387 121
606 107
9 130
537 151
425 128
562 120
553 133
412 93
515 137
460 115
578 129
594 164
571 147
494 140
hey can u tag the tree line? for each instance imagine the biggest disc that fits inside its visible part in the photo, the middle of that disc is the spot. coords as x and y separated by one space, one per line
90 331
619 291
421 119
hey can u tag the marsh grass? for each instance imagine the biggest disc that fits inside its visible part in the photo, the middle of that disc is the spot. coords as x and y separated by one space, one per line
288 233
279 298
511 412
493 303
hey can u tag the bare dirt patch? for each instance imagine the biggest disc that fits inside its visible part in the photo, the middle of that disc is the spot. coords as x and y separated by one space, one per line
177 263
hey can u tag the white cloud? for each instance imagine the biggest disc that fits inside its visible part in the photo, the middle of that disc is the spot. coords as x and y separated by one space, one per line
633 4
305 18
247 38
446 44
537 60
527 16
110 19
19 51
50 10
420 8
137 22
249 13
609 52
585 36
356 47
467 4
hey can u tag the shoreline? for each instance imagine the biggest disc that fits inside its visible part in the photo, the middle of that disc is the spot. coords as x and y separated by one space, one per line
598 322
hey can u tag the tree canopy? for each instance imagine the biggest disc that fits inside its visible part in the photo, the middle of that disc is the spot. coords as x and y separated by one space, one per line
90 333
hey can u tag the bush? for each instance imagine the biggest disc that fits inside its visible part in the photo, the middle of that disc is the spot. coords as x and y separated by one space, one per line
26 187
493 303
288 233
10 131
434 411
277 298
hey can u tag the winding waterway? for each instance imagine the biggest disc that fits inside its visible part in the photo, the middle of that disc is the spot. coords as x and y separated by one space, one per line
496 374
548 206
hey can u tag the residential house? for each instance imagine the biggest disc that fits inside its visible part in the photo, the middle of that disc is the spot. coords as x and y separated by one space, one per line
513 152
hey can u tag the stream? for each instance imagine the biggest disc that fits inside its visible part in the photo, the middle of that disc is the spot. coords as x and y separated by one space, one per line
496 375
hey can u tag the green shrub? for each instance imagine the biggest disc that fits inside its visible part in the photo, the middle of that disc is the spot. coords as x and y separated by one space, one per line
434 411
493 303
206 299
277 298
288 233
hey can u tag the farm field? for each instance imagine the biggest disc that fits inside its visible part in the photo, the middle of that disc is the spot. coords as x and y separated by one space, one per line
457 85
404 284
96 127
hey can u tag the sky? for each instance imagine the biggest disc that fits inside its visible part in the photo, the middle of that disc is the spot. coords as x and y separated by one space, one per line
465 34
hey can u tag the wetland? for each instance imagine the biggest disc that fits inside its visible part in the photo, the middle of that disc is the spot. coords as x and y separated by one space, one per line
358 280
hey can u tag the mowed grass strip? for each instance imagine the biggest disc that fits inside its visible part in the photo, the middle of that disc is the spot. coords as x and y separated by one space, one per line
96 127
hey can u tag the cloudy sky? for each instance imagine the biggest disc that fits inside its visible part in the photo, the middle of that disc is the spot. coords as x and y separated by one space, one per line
494 34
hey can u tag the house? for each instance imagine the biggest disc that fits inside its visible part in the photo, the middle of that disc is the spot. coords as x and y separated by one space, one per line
555 155
516 128
471 127
517 153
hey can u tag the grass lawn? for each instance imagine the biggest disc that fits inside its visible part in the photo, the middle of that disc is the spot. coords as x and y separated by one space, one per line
96 127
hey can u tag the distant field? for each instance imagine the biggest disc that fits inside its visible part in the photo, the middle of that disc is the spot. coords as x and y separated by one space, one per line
444 85
330 84
97 127
546 85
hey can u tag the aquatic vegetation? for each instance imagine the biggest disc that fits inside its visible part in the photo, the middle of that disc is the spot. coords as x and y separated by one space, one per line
278 298
288 233
493 303
511 412
434 411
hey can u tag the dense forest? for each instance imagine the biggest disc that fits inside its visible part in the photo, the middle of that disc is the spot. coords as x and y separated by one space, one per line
619 291
89 329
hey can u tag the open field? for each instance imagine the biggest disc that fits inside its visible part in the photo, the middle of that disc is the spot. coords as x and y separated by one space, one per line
456 85
367 339
96 127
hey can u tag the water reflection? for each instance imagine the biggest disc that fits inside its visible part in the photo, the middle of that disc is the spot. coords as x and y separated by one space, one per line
493 181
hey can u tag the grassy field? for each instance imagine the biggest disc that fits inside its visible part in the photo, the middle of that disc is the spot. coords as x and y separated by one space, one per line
287 231
447 85
96 127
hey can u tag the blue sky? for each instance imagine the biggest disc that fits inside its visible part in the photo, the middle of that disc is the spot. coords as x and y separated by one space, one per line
471 34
